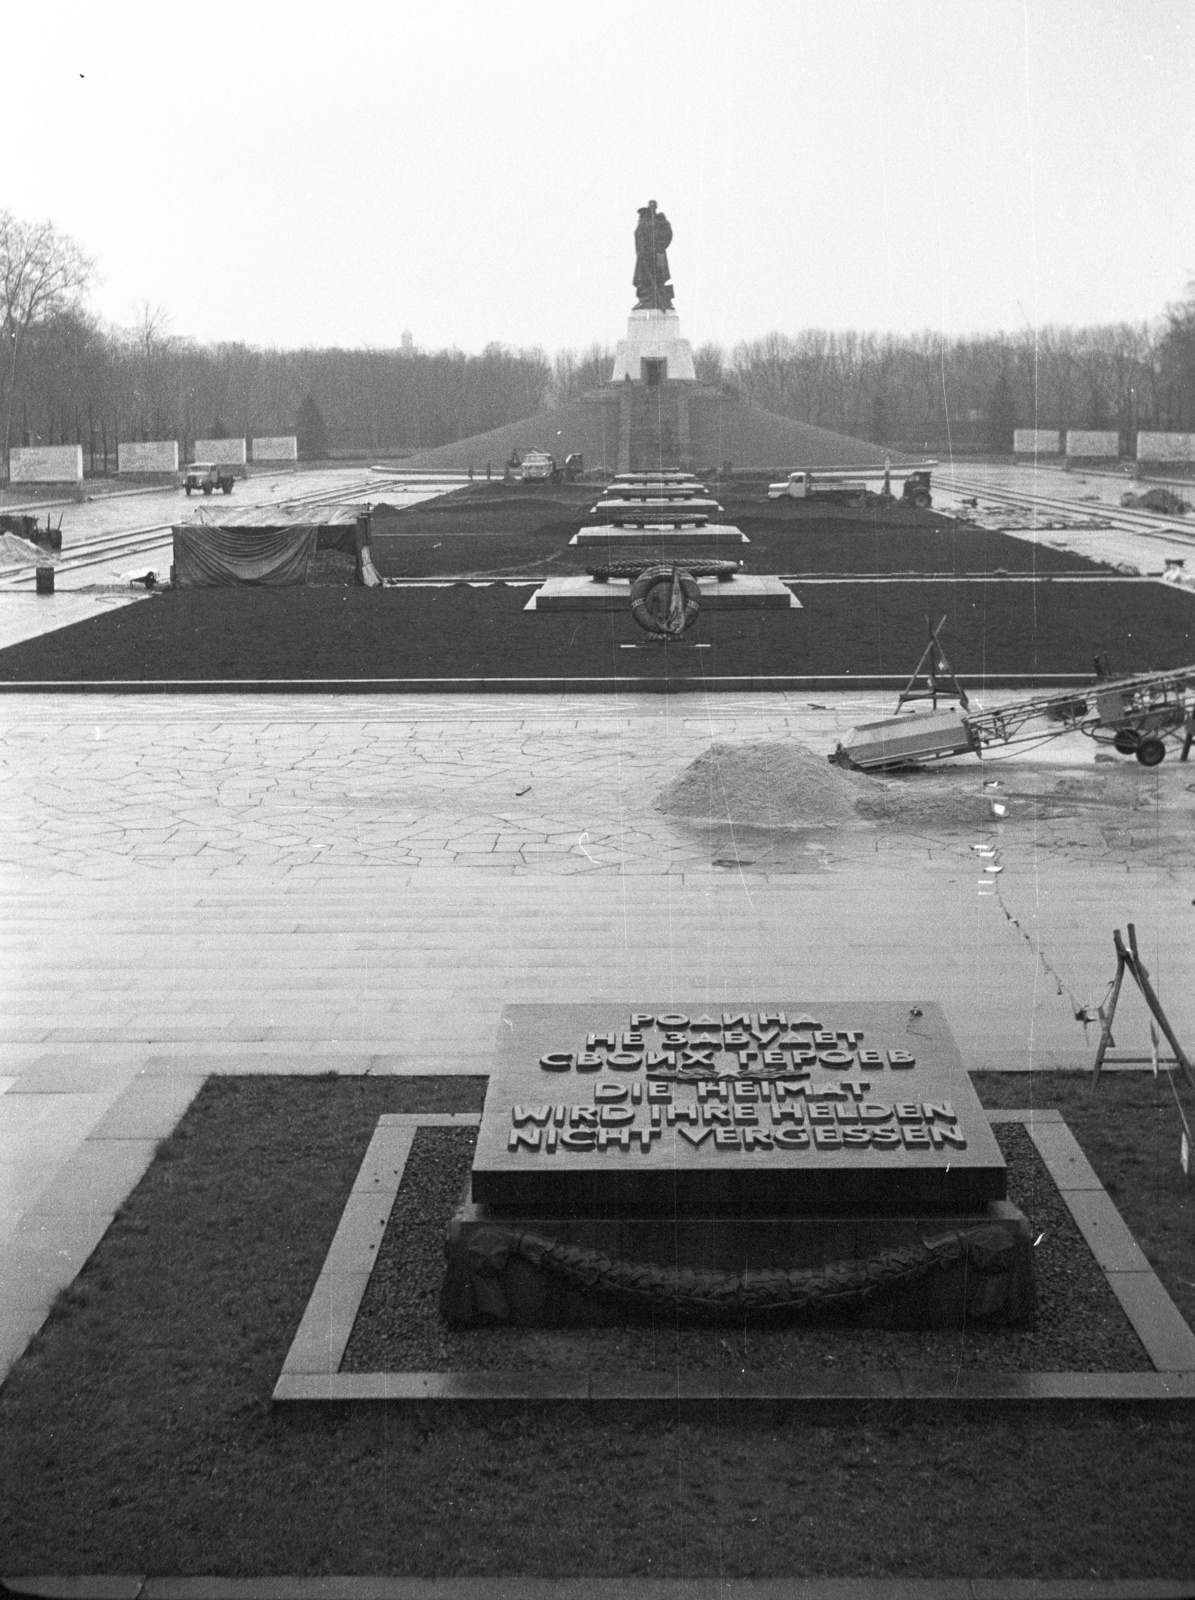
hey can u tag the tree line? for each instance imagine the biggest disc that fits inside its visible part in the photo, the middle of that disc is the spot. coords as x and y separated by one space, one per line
66 378
81 383
924 390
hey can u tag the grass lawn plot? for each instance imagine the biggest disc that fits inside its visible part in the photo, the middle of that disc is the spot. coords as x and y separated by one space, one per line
137 1435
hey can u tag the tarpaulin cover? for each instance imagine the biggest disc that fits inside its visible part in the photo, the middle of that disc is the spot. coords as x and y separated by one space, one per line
204 557
346 538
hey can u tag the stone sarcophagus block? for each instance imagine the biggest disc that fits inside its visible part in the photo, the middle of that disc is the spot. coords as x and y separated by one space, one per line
808 1160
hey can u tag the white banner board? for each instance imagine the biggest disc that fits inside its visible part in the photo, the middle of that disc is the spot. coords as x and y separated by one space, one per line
227 452
46 463
1166 447
285 448
150 455
1090 444
1036 442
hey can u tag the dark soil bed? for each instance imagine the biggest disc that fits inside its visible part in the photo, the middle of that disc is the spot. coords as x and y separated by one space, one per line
462 632
136 1434
516 532
1079 1325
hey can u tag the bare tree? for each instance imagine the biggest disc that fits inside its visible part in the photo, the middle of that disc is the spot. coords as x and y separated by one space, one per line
574 372
41 270
709 362
1177 360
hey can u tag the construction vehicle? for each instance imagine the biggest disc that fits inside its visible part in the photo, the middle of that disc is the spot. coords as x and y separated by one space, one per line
821 486
853 483
1135 715
208 476
537 466
916 491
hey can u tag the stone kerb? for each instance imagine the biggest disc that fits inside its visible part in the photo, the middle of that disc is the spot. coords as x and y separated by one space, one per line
282 448
1162 447
1092 445
52 463
149 455
1036 442
228 452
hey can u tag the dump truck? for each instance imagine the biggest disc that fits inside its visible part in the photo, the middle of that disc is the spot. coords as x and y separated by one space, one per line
853 483
208 476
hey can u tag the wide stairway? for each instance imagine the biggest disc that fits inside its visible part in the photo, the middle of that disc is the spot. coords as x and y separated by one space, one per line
653 426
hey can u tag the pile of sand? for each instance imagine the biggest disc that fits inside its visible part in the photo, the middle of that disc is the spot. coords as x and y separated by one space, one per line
766 785
787 785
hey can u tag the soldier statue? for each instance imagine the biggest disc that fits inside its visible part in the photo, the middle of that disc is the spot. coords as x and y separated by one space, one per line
653 235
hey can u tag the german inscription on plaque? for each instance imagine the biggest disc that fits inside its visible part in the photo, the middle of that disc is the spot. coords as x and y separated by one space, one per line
787 1107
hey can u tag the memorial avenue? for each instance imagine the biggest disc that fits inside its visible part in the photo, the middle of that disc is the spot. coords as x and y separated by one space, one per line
596 707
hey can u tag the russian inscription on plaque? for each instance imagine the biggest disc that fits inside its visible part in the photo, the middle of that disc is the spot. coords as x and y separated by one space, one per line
796 1107
808 1157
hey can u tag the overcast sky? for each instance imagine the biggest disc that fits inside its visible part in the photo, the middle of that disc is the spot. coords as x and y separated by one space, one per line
333 174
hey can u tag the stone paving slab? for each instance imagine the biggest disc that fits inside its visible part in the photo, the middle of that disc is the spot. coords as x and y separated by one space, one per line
61 1224
381 1171
149 1108
327 1322
70 1073
98 1178
34 1267
64 1236
1101 1225
1168 1341
37 1134
1070 1167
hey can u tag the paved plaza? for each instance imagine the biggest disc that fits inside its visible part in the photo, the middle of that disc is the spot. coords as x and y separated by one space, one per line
304 884
314 883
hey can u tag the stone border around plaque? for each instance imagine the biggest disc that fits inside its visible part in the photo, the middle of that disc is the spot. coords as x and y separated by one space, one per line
311 1373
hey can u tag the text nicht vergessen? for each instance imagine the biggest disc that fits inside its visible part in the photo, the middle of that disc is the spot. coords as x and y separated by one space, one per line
740 1082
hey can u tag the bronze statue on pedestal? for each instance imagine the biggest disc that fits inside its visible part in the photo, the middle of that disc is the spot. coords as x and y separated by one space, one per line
653 235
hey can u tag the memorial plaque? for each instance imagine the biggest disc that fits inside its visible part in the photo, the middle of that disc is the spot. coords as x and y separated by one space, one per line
781 1107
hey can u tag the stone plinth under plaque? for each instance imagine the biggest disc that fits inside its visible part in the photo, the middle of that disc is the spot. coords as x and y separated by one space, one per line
746 591
782 1158
641 511
664 537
